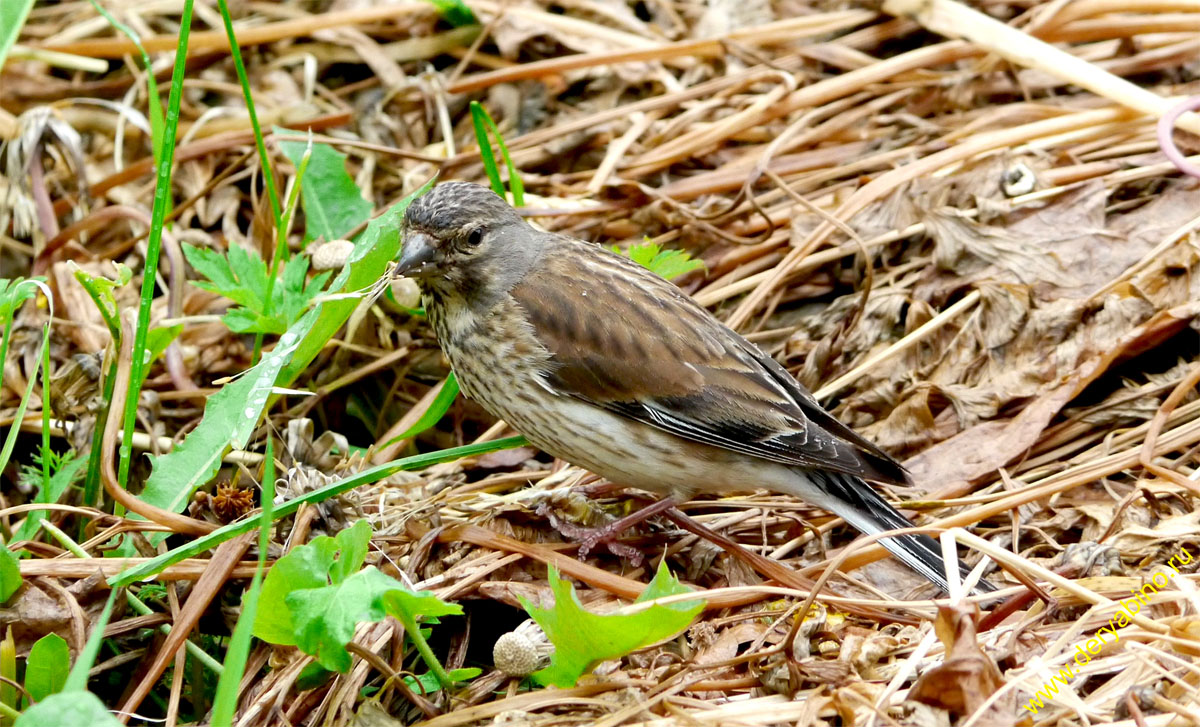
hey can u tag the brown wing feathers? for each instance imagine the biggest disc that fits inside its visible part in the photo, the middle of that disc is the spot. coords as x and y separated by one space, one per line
707 385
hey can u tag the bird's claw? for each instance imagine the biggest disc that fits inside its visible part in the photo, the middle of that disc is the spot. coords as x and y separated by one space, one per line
589 538
608 538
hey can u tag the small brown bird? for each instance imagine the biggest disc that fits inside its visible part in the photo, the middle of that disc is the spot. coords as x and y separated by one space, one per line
602 363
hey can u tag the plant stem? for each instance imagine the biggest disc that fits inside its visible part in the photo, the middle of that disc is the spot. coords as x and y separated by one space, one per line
236 52
162 193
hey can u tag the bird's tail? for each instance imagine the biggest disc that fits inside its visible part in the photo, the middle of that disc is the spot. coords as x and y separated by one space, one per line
857 502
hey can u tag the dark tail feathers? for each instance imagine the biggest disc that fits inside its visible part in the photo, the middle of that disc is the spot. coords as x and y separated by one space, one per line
857 502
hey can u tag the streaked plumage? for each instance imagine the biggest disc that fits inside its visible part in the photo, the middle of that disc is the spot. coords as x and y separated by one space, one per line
603 364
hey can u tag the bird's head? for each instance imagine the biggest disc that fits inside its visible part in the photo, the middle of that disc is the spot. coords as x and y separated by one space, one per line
463 238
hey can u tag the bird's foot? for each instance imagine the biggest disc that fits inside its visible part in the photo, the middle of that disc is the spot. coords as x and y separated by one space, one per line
607 536
590 538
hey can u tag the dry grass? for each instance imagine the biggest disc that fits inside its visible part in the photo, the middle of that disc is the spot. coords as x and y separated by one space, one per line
974 243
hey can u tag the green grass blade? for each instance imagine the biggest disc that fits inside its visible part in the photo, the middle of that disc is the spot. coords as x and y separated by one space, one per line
154 106
515 185
479 119
46 453
225 701
91 481
12 19
282 224
236 52
12 294
11 440
437 409
162 194
78 678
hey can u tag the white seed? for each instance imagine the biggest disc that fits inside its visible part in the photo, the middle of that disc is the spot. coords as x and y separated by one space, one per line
406 292
332 255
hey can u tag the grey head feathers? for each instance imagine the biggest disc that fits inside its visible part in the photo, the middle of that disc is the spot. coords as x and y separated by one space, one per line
454 205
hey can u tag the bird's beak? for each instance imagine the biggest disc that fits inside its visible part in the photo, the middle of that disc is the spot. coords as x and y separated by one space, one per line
416 254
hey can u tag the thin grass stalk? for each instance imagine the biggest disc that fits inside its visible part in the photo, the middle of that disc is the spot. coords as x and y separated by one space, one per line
162 193
45 407
10 441
225 701
236 52
485 148
282 225
154 109
234 529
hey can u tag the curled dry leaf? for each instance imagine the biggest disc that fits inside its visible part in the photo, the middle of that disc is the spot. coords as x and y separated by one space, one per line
967 676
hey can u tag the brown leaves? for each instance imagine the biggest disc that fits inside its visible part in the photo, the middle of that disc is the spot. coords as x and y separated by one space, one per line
967 676
1099 340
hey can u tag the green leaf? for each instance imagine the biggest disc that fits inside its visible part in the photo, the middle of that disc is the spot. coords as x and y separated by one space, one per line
312 676
238 276
244 320
100 290
315 596
667 264
47 666
315 565
12 19
332 202
373 250
15 292
455 12
403 603
243 278
8 671
407 607
10 573
218 269
437 409
157 340
291 298
583 639
427 683
230 416
664 584
306 566
352 543
325 618
68 708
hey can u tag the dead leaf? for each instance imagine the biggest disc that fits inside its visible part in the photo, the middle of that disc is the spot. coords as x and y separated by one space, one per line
992 444
967 676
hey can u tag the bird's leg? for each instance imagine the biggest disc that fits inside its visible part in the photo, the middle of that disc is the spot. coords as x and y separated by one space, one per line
607 535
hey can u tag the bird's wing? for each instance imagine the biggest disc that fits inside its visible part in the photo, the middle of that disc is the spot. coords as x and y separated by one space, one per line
626 340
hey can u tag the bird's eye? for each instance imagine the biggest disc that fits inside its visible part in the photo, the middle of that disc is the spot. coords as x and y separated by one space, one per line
475 236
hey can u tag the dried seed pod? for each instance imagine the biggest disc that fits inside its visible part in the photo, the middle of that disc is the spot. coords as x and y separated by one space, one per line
332 255
523 650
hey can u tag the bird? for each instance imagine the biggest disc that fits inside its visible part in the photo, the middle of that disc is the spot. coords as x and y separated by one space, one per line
601 363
